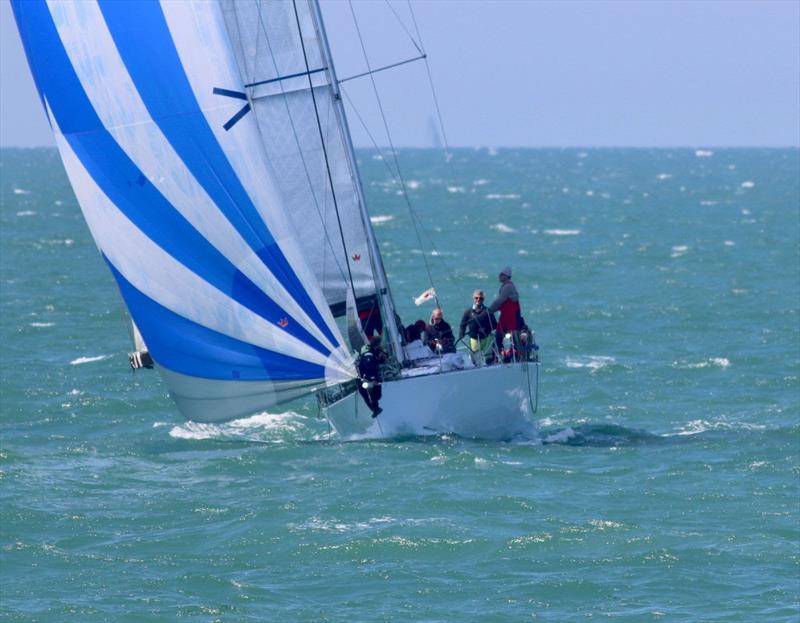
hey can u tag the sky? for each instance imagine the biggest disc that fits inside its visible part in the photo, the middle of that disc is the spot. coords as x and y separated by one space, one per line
540 74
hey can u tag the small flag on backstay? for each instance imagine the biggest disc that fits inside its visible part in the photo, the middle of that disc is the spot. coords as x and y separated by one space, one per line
428 295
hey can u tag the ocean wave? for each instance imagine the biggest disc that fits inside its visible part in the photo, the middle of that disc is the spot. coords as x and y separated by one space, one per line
501 196
592 362
562 232
748 184
380 219
678 250
720 362
26 213
81 360
703 153
21 191
41 324
502 228
263 427
456 189
695 427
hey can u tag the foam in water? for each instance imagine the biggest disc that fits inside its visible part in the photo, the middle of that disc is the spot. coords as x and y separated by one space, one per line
748 184
678 250
380 219
253 428
42 324
456 189
703 153
720 362
81 360
26 213
21 191
562 232
561 436
503 228
592 362
501 196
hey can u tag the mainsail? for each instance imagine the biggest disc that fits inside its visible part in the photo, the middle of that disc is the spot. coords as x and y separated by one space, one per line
200 191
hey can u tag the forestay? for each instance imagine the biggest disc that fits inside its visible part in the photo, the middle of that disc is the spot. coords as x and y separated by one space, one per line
188 208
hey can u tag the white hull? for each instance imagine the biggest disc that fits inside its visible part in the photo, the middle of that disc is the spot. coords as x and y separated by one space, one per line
491 402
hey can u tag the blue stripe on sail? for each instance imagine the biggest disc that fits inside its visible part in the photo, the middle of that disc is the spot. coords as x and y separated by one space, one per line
143 39
123 182
184 346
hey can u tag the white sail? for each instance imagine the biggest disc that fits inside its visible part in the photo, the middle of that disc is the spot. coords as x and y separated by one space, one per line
281 57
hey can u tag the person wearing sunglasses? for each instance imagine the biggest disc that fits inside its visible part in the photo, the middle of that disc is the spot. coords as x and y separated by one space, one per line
439 334
479 324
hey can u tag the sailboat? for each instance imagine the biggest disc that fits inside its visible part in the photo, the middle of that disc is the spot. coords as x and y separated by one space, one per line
209 150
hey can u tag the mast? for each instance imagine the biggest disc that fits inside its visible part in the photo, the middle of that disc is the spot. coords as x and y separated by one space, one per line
384 294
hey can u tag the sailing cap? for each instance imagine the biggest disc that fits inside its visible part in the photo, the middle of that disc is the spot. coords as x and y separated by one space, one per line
506 271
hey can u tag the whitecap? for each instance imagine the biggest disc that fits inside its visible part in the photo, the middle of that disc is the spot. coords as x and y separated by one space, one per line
746 212
679 250
590 193
492 151
288 422
592 362
26 213
495 196
80 360
582 155
730 243
708 202
42 324
523 252
412 184
719 362
561 436
703 153
562 232
747 184
696 427
480 182
664 176
377 157
380 219
503 228
456 189
21 191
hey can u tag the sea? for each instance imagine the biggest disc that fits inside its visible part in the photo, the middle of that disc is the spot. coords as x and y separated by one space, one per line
663 483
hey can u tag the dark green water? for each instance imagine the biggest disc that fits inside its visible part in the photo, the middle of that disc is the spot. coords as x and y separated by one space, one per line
665 292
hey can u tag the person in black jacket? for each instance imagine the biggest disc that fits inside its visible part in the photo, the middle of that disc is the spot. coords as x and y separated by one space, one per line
439 335
479 324
369 371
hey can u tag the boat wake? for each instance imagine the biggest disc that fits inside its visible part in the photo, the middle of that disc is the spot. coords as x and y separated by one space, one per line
601 435
261 428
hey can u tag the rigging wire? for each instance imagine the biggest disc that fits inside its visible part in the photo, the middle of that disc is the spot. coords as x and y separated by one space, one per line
391 146
403 26
324 148
385 161
447 152
320 213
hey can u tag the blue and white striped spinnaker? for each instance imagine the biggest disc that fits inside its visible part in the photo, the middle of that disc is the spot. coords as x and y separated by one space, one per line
183 199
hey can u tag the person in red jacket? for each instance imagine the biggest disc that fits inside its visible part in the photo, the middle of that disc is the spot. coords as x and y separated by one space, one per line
507 303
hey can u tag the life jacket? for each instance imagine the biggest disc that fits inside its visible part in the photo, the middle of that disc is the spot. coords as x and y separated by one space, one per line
509 312
369 366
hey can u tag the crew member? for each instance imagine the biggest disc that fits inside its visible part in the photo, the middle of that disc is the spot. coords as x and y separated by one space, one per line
439 335
479 324
507 303
369 370
371 321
